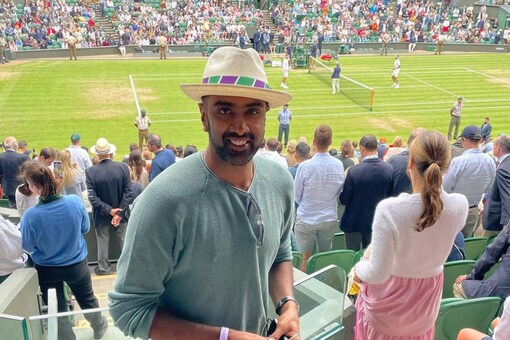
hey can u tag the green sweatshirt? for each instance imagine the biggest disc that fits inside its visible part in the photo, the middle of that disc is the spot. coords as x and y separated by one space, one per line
191 248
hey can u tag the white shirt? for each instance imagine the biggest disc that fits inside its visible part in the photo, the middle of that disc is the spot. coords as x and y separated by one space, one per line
503 330
319 181
11 251
396 64
142 122
274 156
80 157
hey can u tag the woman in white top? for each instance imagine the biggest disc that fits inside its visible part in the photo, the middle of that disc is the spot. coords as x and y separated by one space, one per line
401 283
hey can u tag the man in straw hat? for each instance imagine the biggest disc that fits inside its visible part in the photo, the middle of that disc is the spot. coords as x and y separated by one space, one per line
109 192
209 240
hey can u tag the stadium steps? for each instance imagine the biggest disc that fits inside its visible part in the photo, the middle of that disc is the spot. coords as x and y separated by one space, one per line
104 23
268 22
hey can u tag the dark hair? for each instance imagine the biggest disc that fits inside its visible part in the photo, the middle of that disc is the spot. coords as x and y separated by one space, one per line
189 150
135 163
41 176
47 153
430 153
346 149
369 142
333 152
302 151
23 188
22 144
322 136
133 147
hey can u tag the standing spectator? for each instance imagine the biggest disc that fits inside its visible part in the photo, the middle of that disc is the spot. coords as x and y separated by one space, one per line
256 40
10 162
401 180
301 155
382 148
395 148
109 192
486 129
470 174
163 157
396 71
385 39
284 118
137 171
366 184
52 232
455 113
142 122
285 69
346 155
79 155
25 198
496 212
318 184
335 79
172 230
290 155
271 152
72 182
47 156
413 235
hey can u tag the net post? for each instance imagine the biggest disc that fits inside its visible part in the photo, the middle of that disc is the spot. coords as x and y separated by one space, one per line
371 104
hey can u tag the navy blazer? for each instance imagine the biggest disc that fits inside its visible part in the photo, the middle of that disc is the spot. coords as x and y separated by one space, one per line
10 162
365 186
498 284
497 208
108 186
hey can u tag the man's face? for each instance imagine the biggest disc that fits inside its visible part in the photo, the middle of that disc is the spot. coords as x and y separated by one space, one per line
486 121
235 125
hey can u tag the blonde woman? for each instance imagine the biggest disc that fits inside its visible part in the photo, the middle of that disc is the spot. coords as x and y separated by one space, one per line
291 152
402 282
72 182
396 147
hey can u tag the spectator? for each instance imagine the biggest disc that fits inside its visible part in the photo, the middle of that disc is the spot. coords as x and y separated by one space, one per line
189 150
501 327
10 162
79 156
395 148
486 129
413 235
346 155
137 171
291 152
47 156
382 148
302 154
163 157
72 182
11 251
272 153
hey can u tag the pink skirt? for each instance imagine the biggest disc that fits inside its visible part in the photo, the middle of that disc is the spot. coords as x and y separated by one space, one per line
400 308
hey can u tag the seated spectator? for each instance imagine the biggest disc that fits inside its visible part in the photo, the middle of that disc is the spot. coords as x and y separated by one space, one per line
11 251
475 285
189 150
458 250
501 327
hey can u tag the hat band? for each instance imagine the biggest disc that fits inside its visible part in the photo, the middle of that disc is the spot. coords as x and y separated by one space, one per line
103 152
236 80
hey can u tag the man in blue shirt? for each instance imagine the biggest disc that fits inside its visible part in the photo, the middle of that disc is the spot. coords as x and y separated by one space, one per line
335 79
163 157
470 174
284 117
318 184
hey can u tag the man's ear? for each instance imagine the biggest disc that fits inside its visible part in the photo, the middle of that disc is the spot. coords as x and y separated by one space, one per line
203 117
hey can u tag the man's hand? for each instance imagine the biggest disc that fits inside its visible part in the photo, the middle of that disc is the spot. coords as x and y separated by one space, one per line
460 279
288 323
116 220
115 211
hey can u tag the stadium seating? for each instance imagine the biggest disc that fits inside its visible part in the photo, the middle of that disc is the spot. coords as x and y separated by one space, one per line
452 270
456 314
297 259
474 247
340 258
338 241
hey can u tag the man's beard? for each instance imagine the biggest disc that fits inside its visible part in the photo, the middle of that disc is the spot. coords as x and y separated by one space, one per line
234 157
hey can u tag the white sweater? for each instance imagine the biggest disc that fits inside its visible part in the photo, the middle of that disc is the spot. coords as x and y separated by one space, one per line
399 250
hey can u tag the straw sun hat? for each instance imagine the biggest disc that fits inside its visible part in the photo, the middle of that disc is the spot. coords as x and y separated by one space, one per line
231 71
102 147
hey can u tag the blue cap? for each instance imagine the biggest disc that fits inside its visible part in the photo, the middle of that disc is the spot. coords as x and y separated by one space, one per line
472 132
75 137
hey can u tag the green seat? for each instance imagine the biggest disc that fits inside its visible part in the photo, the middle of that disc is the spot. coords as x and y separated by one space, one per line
452 270
358 256
297 259
474 247
340 258
474 313
338 241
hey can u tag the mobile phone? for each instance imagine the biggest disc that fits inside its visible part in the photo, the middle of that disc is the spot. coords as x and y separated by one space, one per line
57 169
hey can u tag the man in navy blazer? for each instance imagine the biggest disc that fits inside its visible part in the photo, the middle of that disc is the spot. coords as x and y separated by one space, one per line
365 186
109 193
10 162
496 212
475 284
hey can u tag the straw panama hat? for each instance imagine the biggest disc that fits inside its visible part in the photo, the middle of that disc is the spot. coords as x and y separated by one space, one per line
231 71
102 147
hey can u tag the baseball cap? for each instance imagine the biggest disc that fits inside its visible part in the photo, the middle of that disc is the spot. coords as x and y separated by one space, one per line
75 137
142 111
472 132
460 98
285 104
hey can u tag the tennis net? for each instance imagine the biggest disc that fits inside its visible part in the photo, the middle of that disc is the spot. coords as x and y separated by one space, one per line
357 92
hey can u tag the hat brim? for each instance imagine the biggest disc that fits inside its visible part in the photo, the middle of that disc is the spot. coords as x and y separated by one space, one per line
272 97
111 150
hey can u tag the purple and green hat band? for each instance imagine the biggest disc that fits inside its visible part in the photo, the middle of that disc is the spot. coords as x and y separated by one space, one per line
236 80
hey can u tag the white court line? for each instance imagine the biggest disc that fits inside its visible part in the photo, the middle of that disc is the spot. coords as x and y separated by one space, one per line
434 86
343 114
486 75
134 93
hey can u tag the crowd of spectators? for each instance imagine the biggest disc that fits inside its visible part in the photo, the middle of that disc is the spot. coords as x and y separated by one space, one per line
43 24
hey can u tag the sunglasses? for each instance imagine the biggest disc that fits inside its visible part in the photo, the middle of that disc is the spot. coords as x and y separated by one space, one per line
255 217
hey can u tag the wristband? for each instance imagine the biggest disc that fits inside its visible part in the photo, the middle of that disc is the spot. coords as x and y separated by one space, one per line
278 307
224 333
